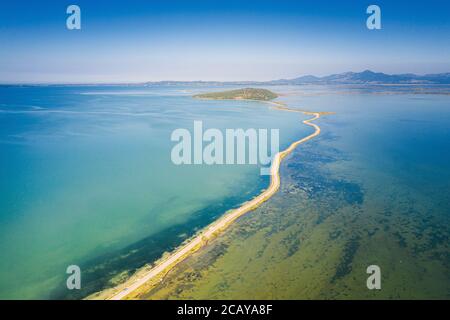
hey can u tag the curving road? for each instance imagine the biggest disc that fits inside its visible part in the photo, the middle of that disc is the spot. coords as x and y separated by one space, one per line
198 241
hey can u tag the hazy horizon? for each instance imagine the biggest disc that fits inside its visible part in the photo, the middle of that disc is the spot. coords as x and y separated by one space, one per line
204 80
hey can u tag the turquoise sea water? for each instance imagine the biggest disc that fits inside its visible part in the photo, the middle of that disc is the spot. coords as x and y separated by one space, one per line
86 179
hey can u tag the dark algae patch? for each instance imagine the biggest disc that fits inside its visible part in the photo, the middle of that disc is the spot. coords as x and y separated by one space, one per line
344 266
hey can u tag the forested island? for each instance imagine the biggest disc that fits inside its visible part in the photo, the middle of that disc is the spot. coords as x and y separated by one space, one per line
239 94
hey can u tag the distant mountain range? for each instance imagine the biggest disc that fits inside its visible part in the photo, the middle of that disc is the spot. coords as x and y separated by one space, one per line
365 77
370 77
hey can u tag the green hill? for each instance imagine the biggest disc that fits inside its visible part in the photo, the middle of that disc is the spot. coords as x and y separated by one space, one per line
239 94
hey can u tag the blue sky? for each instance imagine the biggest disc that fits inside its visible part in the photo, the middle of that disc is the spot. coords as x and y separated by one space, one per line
133 41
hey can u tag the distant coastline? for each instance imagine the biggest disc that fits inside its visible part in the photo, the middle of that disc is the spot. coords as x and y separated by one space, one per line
366 77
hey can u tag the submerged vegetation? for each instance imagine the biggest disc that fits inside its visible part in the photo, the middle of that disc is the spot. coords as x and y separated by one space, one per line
315 239
240 94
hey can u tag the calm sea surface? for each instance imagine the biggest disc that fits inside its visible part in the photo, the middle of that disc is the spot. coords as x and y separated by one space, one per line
86 178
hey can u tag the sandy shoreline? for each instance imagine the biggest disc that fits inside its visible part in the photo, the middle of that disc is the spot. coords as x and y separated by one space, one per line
166 264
